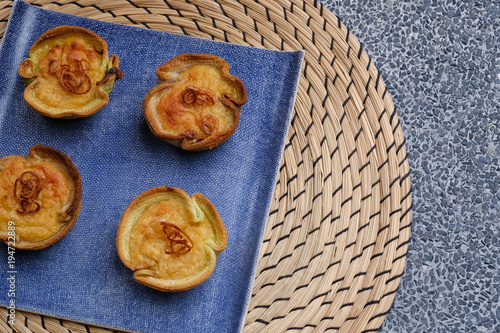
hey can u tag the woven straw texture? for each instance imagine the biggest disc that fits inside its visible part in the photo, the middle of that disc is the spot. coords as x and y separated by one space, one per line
338 230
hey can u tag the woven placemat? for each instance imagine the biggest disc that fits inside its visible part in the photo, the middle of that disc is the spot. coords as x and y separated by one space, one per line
338 230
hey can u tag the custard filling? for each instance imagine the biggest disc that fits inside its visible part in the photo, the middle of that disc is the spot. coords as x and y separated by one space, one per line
192 107
169 240
33 195
69 67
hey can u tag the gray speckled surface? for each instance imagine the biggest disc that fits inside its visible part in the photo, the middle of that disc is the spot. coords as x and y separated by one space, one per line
441 63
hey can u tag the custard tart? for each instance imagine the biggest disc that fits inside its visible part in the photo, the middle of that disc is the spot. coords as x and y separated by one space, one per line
169 239
197 104
68 73
40 197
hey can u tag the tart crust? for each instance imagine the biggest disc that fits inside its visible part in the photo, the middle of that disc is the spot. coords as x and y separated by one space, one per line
68 73
197 104
41 195
170 240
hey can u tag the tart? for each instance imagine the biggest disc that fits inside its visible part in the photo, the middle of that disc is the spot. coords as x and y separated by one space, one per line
40 197
169 239
197 104
68 73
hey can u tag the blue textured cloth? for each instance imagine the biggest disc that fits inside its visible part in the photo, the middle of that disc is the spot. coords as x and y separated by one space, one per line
81 276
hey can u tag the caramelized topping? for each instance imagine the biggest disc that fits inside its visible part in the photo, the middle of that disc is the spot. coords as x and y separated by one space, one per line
183 112
118 73
209 124
180 243
69 63
193 95
204 99
189 96
77 82
26 190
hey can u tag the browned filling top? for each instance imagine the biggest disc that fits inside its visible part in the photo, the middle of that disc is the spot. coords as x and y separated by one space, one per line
70 64
26 190
192 108
179 242
35 195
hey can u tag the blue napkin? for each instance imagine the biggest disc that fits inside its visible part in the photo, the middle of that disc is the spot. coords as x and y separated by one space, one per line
81 277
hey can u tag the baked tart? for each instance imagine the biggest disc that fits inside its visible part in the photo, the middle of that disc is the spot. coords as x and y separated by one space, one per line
68 73
197 104
170 240
40 197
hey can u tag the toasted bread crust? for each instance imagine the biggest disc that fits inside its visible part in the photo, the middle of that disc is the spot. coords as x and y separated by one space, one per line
148 275
167 75
68 169
30 72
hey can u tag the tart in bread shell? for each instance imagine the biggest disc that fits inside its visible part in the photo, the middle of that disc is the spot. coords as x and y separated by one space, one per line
169 239
197 104
68 73
40 197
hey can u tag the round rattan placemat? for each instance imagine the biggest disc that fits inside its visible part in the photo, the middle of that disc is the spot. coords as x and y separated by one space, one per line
338 230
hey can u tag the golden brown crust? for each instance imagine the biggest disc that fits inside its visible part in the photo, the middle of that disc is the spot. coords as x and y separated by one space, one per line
63 164
100 43
167 75
198 207
34 76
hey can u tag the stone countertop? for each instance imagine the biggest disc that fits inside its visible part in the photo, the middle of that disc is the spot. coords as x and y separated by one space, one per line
440 61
